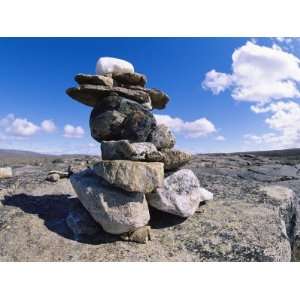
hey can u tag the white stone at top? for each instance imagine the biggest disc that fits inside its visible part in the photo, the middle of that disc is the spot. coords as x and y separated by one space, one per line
113 65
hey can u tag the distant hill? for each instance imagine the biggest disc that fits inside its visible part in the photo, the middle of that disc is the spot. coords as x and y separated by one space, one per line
11 153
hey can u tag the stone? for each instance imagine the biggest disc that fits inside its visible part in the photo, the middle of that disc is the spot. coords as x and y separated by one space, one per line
91 95
141 235
206 195
118 118
173 159
76 168
53 177
6 172
124 150
106 65
115 210
180 195
162 137
130 175
94 79
159 99
80 221
130 79
60 173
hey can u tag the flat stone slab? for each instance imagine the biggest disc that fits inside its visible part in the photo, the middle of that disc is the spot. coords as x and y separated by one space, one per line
124 150
115 210
90 95
173 159
131 176
94 79
130 79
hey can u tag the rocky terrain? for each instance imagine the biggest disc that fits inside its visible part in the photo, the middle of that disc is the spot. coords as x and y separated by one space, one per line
254 215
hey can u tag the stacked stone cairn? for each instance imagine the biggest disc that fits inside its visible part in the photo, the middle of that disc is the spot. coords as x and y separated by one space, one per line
139 165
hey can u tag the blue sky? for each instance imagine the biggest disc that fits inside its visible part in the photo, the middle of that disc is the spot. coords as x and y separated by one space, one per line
250 101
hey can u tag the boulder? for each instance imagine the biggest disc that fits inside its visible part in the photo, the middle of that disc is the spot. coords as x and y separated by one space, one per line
94 80
131 176
115 210
91 95
106 65
130 79
125 150
173 159
118 118
60 173
180 194
162 137
6 172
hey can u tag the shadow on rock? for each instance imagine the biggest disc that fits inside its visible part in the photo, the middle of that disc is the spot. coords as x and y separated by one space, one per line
54 211
160 219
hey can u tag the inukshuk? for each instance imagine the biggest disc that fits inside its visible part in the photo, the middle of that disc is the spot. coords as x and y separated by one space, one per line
138 166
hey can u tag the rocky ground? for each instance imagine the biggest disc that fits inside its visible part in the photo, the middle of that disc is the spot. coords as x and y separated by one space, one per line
255 214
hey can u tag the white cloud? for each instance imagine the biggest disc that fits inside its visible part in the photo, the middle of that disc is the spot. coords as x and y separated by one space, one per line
48 126
285 40
17 127
217 82
284 120
71 131
198 128
259 74
220 138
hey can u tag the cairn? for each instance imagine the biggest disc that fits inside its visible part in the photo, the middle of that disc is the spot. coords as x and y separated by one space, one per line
139 163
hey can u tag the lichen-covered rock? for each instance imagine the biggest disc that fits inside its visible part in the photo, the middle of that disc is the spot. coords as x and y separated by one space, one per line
162 137
141 235
180 194
118 118
131 176
173 159
130 79
107 65
6 172
123 149
115 210
94 79
91 95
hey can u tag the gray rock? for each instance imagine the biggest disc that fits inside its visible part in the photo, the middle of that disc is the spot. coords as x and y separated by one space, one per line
53 177
173 159
131 176
159 99
94 80
118 118
180 194
60 173
91 95
115 210
6 172
130 78
125 150
80 221
162 137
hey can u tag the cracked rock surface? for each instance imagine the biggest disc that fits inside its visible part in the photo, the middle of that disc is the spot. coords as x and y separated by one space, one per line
254 215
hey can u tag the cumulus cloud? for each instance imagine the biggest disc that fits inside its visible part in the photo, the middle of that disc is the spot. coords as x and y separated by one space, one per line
13 127
198 128
259 74
284 119
18 127
71 131
48 126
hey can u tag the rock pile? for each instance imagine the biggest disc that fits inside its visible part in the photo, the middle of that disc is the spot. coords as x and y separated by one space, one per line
136 153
